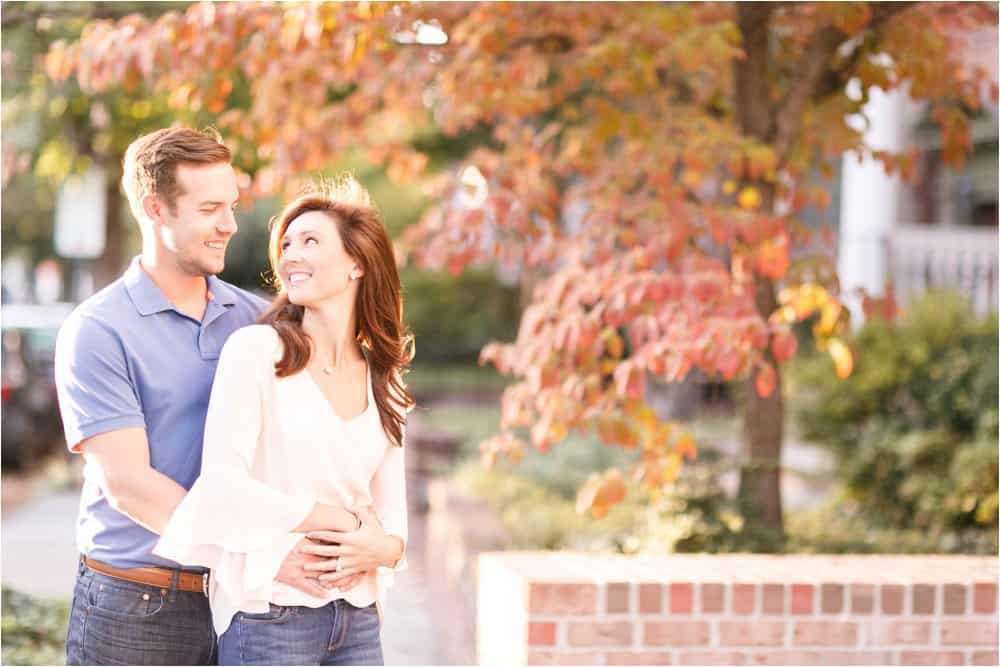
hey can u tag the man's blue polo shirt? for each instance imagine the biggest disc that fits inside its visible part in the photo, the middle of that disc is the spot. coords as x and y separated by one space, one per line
127 357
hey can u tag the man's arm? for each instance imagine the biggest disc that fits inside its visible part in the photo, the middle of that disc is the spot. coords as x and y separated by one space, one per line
121 461
148 497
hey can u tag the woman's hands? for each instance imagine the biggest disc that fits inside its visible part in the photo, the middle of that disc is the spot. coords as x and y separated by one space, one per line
355 553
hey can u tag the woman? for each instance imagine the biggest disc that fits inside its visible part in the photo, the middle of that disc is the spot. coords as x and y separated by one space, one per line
306 419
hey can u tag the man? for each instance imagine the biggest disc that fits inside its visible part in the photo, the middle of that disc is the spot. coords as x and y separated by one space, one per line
134 370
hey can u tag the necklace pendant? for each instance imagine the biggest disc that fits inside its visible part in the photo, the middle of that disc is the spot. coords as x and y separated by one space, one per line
328 370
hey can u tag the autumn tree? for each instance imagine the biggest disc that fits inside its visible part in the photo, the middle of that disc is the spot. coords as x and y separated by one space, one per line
53 130
647 166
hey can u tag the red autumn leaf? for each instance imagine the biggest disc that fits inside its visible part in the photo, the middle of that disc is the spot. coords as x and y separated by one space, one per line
783 345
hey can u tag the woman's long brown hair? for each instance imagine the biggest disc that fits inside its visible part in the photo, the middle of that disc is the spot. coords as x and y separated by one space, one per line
378 306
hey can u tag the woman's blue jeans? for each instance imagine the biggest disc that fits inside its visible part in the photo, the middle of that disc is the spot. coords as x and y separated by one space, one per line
337 633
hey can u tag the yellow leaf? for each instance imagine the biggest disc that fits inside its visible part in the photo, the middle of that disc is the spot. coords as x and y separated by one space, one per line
749 198
828 319
843 358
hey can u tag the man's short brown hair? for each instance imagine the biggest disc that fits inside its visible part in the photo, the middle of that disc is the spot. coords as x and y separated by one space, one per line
150 163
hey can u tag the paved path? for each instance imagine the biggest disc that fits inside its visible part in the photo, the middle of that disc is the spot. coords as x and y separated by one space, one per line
39 558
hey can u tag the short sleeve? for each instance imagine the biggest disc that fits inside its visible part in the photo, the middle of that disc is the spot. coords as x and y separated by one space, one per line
95 389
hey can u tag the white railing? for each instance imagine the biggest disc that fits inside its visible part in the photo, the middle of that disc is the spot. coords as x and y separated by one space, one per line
922 257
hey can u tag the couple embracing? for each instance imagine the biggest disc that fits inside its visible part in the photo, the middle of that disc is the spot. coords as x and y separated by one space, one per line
244 499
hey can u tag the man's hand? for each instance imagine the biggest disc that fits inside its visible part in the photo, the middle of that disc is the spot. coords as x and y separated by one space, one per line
353 553
293 572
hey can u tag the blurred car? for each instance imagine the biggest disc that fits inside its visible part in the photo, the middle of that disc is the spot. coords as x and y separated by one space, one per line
29 412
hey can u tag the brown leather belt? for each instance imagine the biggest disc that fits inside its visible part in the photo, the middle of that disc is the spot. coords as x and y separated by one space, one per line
154 576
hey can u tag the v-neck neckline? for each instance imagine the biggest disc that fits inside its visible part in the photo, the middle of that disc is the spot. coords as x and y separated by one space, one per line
368 395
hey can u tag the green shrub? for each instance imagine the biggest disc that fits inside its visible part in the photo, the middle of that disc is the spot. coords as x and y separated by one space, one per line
915 425
538 517
34 631
453 318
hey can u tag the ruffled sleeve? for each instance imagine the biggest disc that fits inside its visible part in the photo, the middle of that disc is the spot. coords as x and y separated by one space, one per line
230 521
388 491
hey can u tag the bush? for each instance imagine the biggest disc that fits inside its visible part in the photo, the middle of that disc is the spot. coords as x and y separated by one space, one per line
34 631
539 517
915 426
453 318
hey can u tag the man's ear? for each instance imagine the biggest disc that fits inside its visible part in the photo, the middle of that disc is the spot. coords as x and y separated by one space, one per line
153 207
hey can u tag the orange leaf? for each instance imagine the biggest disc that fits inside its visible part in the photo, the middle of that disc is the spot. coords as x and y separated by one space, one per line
766 380
686 447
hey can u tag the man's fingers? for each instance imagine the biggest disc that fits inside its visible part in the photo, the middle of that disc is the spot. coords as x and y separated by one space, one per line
327 536
335 578
350 582
321 550
329 565
311 586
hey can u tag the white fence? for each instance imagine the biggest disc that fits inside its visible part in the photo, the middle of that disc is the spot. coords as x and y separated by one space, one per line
921 257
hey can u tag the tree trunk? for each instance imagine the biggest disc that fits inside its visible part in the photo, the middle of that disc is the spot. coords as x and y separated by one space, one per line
763 418
763 426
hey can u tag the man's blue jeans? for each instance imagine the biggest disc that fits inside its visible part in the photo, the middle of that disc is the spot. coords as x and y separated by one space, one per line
116 622
334 634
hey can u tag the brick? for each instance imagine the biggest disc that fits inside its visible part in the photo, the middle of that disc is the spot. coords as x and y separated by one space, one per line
711 658
862 598
985 658
633 658
969 633
984 598
825 633
563 658
831 598
618 599
954 599
541 633
930 658
901 632
751 633
823 657
600 633
892 599
650 598
676 633
713 599
681 598
563 599
773 599
802 598
744 598
923 598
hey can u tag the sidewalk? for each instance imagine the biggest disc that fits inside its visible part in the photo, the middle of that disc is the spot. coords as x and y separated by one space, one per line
39 558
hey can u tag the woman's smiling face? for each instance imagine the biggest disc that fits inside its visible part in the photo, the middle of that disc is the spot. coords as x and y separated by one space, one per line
314 267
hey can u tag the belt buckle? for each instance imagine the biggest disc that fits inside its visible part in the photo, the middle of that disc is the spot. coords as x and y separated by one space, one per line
204 583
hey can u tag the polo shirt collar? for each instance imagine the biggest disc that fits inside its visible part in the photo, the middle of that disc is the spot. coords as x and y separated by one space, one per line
149 299
221 292
146 296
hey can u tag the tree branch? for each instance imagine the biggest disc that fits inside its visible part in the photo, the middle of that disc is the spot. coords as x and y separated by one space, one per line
819 54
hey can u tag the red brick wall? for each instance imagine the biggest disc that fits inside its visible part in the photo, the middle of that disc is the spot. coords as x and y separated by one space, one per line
581 609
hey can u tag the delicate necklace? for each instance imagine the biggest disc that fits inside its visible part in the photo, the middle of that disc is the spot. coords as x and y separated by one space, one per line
328 370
